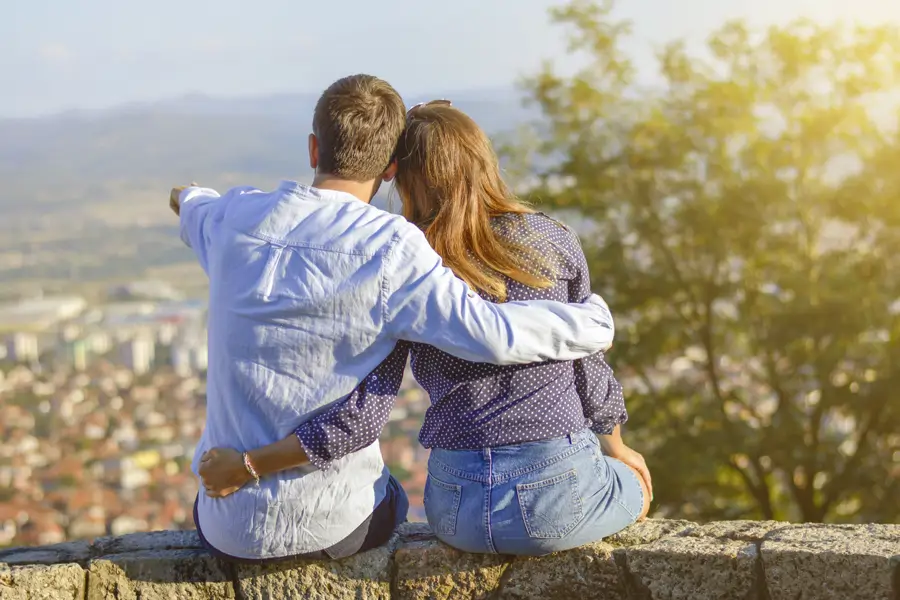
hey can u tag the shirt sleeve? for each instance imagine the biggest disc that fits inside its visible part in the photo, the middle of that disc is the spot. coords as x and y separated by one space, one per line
600 392
195 208
425 302
356 421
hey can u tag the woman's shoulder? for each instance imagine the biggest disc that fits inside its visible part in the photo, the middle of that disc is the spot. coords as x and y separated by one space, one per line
554 246
548 231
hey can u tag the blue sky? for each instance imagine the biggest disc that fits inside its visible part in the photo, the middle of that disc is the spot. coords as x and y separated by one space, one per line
62 54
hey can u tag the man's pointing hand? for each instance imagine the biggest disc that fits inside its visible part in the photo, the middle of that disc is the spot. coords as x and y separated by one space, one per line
175 195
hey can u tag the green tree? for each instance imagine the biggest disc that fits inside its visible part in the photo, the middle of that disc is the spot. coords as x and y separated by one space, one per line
745 226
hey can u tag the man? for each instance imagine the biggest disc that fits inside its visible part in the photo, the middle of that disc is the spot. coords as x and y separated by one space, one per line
310 290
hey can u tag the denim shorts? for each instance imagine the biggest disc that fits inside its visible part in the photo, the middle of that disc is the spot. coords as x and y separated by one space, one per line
532 498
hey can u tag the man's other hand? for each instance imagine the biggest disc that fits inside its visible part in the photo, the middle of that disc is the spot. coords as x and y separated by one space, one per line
175 197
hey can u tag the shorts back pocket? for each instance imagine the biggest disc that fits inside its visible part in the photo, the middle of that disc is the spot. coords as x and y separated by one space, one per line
551 508
442 505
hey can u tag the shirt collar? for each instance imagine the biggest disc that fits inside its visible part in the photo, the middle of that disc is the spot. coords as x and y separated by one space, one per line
311 193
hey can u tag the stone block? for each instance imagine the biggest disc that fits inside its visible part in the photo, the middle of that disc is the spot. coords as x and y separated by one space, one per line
744 531
42 582
159 575
430 569
831 562
692 568
589 572
139 542
415 532
366 576
648 530
67 552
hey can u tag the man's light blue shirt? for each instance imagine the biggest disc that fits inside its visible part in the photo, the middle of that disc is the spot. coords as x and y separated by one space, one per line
309 291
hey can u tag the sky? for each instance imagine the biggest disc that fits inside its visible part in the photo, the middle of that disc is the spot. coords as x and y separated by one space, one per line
57 55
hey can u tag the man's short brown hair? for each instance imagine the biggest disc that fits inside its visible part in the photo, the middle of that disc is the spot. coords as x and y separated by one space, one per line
358 121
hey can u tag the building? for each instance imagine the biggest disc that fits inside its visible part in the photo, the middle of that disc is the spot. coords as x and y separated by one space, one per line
99 342
180 357
199 357
138 354
76 354
22 348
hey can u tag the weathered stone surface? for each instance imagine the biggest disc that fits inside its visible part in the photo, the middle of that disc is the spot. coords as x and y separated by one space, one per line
585 573
828 562
159 575
745 531
366 576
693 568
432 570
655 559
42 582
139 542
68 552
415 532
648 530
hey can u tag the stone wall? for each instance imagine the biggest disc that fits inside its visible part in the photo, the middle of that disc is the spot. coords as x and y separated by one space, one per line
654 559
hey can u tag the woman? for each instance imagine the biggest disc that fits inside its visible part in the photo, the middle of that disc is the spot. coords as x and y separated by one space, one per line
531 455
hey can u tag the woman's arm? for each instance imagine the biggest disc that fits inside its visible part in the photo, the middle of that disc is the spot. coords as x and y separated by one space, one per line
604 404
602 400
349 425
222 470
613 446
600 392
612 443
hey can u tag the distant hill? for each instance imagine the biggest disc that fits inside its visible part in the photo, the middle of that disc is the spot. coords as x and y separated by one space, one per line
78 185
192 134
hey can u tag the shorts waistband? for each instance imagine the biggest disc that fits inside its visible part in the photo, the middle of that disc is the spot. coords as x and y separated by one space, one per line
470 464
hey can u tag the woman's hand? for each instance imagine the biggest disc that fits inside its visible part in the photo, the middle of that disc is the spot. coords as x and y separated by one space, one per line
636 461
222 472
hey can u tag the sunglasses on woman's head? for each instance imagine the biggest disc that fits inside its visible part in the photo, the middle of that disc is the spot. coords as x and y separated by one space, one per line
430 103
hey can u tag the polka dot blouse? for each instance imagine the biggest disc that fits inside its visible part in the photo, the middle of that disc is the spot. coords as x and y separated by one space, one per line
478 405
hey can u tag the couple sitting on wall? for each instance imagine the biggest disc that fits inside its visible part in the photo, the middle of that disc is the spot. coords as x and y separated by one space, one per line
317 301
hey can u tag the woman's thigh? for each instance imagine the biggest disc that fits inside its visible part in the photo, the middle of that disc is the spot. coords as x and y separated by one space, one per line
455 507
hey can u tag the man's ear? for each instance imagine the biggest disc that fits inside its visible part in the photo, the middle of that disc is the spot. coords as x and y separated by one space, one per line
313 152
390 172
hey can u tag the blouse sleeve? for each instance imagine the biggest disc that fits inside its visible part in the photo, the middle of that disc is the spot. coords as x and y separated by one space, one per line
356 421
601 394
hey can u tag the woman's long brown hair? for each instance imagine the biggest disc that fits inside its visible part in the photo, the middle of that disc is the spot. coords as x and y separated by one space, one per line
448 178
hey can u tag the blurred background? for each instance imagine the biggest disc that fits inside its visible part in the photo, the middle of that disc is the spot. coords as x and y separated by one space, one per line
732 168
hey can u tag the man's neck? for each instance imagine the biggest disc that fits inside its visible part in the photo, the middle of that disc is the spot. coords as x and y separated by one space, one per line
362 191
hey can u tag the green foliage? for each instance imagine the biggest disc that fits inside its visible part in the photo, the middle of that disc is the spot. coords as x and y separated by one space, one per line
747 237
